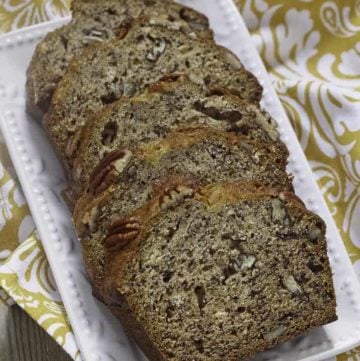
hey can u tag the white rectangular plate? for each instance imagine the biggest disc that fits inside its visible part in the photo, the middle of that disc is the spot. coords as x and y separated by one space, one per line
99 335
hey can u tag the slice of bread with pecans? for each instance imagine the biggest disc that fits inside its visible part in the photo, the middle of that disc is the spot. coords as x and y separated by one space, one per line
167 105
127 177
128 64
114 13
217 272
95 22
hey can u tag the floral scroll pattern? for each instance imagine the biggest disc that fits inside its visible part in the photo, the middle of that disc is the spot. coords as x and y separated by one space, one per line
312 52
26 278
15 14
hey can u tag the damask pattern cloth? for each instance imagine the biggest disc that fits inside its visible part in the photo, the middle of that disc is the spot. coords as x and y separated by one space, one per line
25 275
312 52
15 14
311 49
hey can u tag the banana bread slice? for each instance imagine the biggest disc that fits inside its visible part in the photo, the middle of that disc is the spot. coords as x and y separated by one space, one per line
132 173
171 103
126 66
112 13
94 22
217 272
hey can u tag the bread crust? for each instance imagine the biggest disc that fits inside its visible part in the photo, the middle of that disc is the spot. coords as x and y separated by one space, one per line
213 196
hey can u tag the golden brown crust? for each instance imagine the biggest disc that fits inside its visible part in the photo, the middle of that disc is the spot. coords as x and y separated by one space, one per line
187 136
217 195
212 196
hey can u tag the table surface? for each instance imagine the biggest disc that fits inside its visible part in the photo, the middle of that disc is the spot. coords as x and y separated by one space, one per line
22 339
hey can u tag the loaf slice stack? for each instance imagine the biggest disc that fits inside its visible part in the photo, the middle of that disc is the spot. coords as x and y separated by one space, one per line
218 272
167 105
190 230
95 22
133 173
126 66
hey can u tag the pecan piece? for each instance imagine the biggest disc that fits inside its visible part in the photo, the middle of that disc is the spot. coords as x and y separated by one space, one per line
157 50
108 170
90 218
122 232
73 143
94 36
279 212
233 60
291 285
173 196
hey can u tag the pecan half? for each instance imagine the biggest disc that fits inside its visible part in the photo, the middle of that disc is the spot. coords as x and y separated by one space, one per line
121 233
108 170
173 196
